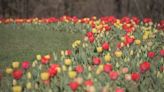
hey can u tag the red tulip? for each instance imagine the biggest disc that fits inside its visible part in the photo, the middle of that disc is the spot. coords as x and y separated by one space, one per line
17 74
135 76
112 19
79 69
105 46
119 90
44 60
151 54
125 20
89 34
128 28
145 66
128 40
25 65
107 68
54 65
107 28
68 52
53 70
147 20
91 39
74 86
88 82
113 75
51 20
96 60
135 19
162 52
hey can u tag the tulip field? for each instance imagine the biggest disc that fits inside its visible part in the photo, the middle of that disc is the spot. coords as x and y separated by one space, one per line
70 54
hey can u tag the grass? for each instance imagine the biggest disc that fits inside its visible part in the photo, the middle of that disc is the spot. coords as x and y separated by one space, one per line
23 42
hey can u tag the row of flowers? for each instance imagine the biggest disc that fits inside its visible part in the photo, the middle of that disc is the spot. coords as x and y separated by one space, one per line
116 55
75 19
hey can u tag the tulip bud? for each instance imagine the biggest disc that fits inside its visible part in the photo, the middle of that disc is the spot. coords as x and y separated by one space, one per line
14 82
59 69
29 85
64 68
131 52
117 65
36 86
89 68
70 68
29 76
89 75
38 57
34 63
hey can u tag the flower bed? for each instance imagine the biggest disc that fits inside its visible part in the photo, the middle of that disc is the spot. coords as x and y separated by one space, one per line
116 55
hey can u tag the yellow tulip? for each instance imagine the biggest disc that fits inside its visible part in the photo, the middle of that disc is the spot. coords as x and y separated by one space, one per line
17 88
77 42
107 57
138 42
118 53
44 76
9 70
144 37
29 76
15 64
67 61
72 74
101 67
29 85
99 49
38 57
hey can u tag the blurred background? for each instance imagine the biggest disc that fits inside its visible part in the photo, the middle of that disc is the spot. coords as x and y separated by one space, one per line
82 8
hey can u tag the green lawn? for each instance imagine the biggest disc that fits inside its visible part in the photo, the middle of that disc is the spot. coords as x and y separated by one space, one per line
23 42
